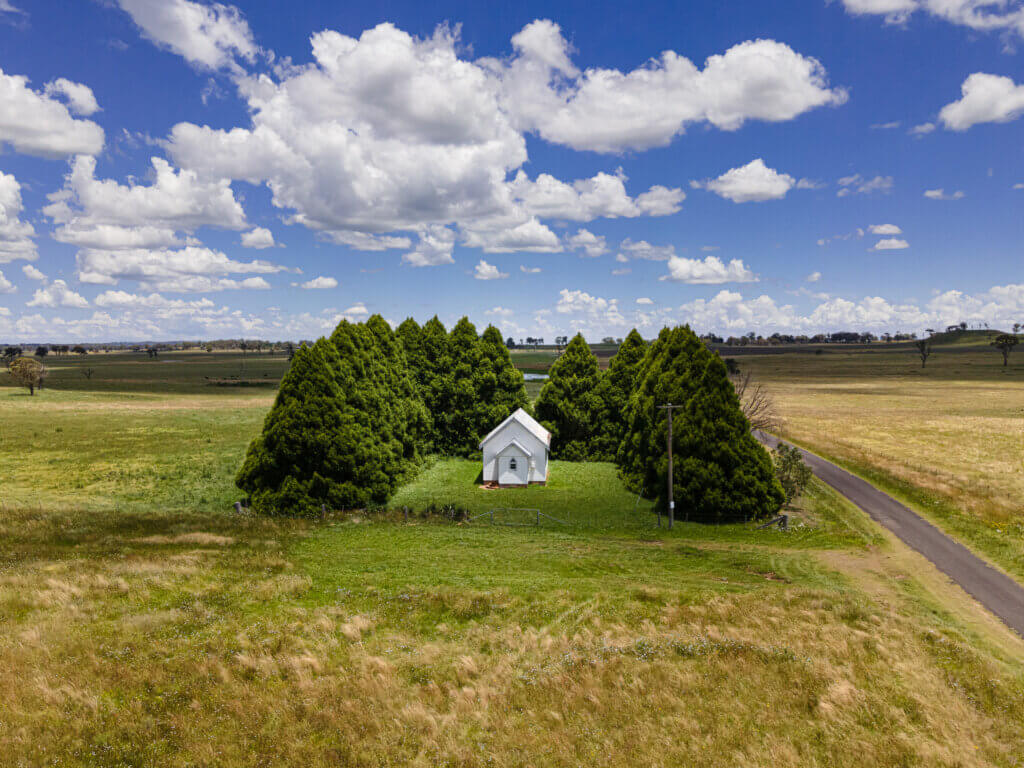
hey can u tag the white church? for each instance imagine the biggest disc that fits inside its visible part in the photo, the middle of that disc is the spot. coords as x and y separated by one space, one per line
515 453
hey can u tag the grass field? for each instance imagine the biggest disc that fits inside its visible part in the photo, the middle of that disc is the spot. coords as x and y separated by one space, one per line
949 439
143 623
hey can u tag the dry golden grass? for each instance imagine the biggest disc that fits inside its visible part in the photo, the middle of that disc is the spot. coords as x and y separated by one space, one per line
954 431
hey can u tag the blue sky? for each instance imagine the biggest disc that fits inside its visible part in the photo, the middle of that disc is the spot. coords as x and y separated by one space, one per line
177 169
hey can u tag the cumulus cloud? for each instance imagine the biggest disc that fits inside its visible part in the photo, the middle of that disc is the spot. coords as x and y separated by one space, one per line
207 36
985 99
435 247
941 194
813 277
884 229
607 110
980 15
80 97
643 300
890 244
500 312
529 270
485 271
857 184
753 182
922 130
592 245
33 123
258 238
57 294
15 235
192 269
102 213
707 271
641 249
6 286
587 308
391 136
32 273
320 283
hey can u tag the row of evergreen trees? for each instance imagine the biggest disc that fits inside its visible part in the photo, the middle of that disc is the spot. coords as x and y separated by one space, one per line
720 472
355 413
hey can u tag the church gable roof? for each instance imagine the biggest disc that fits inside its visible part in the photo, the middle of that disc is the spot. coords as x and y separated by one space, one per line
528 422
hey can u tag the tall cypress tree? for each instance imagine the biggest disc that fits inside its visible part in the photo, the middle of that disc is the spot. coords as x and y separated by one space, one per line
613 393
720 471
311 451
410 335
464 422
568 405
500 388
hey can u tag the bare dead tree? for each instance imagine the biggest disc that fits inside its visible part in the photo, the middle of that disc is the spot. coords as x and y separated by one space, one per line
755 402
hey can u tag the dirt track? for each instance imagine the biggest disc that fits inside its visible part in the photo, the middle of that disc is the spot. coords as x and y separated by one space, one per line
992 588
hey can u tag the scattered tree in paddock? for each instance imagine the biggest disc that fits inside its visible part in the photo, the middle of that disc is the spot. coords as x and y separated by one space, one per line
613 393
755 402
28 372
924 349
720 472
42 351
1005 343
87 372
80 350
791 471
10 353
732 366
510 343
568 404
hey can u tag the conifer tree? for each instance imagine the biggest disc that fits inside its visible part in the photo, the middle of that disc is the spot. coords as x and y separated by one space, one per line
500 388
464 419
568 404
613 393
310 452
720 472
410 335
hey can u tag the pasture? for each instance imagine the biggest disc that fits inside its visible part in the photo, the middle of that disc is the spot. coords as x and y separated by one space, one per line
143 622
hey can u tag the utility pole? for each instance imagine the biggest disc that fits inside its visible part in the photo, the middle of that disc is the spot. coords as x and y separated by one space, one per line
671 500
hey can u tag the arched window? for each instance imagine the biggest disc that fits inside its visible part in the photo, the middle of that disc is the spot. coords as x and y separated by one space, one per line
512 464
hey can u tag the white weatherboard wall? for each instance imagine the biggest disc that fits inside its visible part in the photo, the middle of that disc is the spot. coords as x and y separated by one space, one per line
516 452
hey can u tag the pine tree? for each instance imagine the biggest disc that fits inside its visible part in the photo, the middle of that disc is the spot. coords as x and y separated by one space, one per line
410 335
568 404
720 471
613 393
500 388
311 451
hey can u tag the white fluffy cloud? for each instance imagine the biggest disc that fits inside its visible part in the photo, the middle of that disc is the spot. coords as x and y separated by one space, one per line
33 123
187 270
500 312
864 186
80 97
529 270
385 137
813 277
258 238
57 294
6 286
320 283
890 244
32 273
101 213
644 301
589 309
985 99
981 15
592 245
208 36
884 229
606 110
941 194
485 271
708 271
753 182
15 235
641 249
